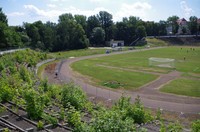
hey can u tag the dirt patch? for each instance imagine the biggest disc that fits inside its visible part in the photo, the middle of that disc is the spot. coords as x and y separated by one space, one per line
50 73
50 68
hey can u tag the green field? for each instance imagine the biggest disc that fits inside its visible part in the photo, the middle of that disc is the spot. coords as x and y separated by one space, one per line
77 53
182 86
137 61
106 77
82 52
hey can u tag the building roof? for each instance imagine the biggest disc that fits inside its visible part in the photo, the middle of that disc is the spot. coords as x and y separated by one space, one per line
180 21
198 21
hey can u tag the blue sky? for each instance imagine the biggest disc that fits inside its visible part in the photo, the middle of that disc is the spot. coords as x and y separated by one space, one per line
19 11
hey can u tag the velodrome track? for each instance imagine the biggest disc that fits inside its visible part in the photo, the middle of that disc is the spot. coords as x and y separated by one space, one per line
149 93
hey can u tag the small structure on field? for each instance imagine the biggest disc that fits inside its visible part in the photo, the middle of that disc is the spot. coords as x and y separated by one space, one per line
116 43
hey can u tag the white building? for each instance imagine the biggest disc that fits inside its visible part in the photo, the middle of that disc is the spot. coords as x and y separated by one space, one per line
116 43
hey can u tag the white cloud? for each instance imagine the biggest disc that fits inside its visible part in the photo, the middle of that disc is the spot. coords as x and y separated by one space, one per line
97 1
59 0
87 13
186 9
15 14
139 6
36 12
52 15
51 5
136 9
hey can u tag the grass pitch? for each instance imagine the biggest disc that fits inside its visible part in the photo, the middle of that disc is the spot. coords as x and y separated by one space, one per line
137 61
181 86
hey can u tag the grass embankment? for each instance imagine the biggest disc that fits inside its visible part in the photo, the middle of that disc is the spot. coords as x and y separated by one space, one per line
77 53
153 42
111 77
84 52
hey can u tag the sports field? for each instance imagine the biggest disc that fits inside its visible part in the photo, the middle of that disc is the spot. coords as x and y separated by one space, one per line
132 70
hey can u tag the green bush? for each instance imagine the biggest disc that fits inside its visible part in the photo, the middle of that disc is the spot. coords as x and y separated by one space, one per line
112 121
25 75
44 85
6 93
1 66
74 95
2 109
135 111
54 91
40 125
34 104
74 117
162 127
196 126
174 127
50 119
6 130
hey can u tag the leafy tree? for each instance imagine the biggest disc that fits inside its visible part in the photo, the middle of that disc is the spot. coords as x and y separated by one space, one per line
141 32
14 38
81 19
122 32
184 30
193 26
3 40
3 17
33 33
126 30
92 22
132 22
49 38
70 35
9 38
42 36
150 28
162 27
105 20
173 22
98 36
65 17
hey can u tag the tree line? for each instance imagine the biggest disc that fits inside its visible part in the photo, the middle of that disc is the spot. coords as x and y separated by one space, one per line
78 31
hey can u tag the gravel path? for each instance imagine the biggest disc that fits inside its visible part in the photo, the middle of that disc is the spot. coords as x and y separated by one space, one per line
149 93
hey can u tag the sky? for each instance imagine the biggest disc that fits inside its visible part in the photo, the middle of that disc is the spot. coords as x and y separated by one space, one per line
19 11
